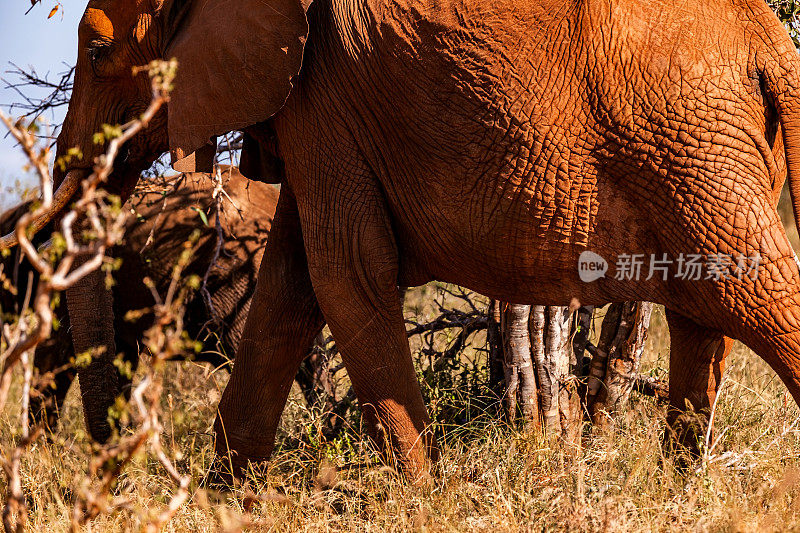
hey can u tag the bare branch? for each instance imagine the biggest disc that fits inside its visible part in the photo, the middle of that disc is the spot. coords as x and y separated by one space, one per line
59 89
54 264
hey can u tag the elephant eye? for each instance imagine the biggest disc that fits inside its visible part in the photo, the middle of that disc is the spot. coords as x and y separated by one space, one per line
97 51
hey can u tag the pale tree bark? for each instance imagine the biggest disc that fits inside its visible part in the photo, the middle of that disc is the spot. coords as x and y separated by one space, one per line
565 364
624 358
550 331
553 364
518 366
543 375
546 380
539 368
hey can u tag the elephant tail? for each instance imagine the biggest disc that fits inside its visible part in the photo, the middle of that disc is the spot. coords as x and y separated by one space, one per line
780 75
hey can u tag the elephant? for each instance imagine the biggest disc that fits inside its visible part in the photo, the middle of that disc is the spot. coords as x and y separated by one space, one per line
501 146
164 216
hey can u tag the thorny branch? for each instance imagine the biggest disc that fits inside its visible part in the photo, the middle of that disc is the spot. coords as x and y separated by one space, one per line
228 147
163 341
103 215
218 195
58 94
59 88
92 204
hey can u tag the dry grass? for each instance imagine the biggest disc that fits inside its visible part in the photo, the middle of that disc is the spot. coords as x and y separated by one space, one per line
492 477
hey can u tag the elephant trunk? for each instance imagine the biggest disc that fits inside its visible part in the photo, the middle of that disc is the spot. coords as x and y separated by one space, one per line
61 198
90 306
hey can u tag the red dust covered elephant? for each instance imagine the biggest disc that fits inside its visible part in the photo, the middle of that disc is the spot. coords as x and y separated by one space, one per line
487 144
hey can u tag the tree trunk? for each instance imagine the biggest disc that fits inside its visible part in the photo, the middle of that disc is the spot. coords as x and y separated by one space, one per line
624 360
539 368
556 363
545 378
581 329
91 315
597 369
494 340
544 363
565 363
520 380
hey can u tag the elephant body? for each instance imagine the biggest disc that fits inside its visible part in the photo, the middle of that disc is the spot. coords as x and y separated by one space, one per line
164 216
519 136
216 318
526 123
487 144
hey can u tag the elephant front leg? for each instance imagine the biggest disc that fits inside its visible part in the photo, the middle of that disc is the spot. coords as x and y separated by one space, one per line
696 364
283 320
353 261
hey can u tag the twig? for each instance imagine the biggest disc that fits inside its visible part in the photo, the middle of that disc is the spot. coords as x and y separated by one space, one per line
107 224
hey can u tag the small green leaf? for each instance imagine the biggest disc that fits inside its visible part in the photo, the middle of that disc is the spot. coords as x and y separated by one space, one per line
203 216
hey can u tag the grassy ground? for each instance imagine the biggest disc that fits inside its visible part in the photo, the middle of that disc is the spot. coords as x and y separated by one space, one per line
493 477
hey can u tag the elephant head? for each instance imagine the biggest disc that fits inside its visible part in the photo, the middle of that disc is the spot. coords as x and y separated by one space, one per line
225 81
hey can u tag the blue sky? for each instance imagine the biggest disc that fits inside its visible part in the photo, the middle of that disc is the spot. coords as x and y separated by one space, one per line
31 40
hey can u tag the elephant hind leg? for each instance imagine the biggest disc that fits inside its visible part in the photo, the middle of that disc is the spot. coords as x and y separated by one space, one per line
354 265
756 299
696 364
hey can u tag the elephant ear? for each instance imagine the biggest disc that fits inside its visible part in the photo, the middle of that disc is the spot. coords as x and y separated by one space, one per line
236 61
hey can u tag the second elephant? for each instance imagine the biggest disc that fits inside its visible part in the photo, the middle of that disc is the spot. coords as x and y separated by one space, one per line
164 216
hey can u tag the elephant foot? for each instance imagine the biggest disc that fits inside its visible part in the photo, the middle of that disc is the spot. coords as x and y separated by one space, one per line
696 367
229 471
236 455
685 438
222 476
